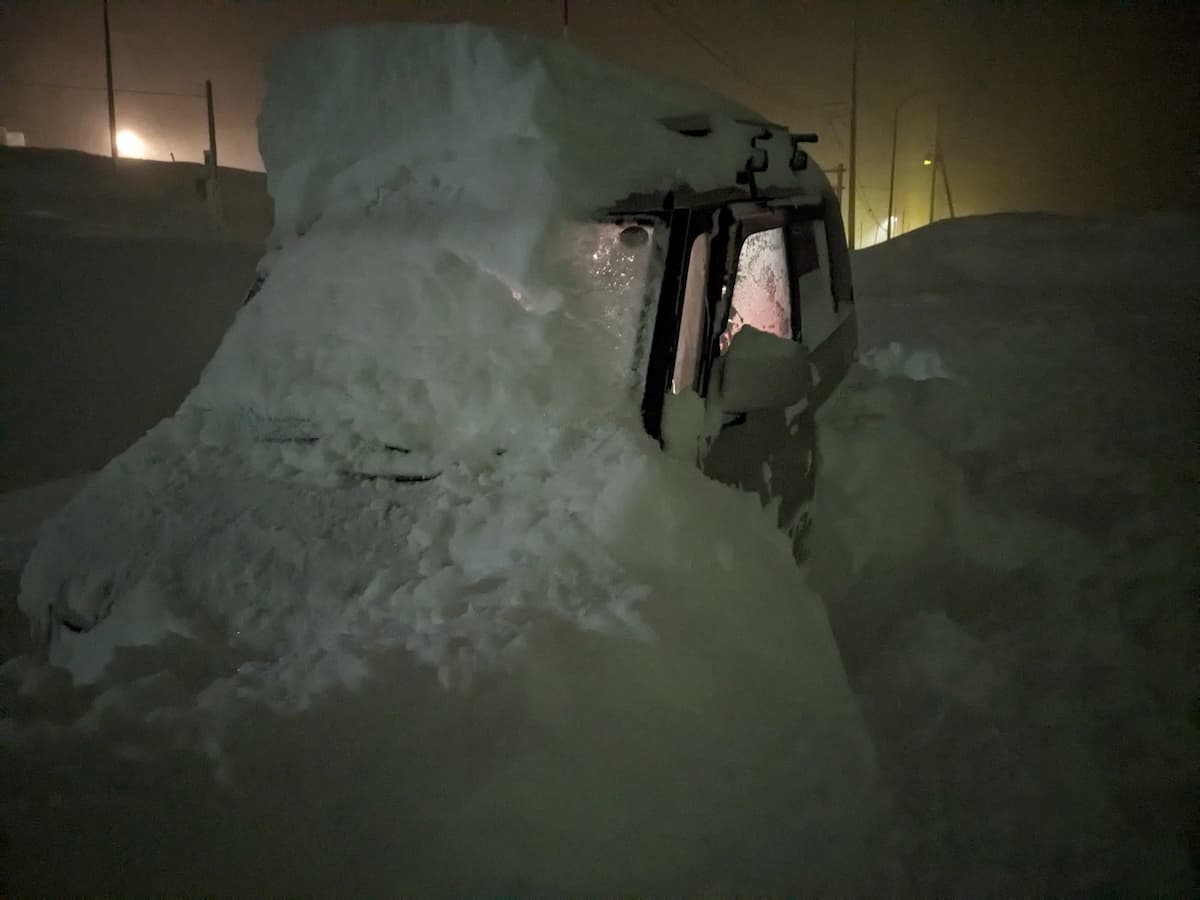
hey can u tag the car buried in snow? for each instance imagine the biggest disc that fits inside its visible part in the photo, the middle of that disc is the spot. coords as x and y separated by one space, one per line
744 303
755 315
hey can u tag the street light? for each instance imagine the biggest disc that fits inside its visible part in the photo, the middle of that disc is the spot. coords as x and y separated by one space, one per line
130 145
895 135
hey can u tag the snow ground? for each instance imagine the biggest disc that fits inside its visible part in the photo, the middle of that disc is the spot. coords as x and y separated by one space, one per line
1003 545
1010 573
117 285
1026 643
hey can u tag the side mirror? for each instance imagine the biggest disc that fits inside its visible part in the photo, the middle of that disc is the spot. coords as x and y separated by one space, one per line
762 371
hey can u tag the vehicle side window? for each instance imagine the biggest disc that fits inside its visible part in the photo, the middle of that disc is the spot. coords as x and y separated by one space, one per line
692 320
761 293
810 264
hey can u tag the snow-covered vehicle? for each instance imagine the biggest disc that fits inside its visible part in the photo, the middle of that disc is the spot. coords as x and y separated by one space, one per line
692 269
770 258
474 308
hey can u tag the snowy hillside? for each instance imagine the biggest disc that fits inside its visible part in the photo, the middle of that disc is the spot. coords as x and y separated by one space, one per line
117 286
1006 541
403 599
67 192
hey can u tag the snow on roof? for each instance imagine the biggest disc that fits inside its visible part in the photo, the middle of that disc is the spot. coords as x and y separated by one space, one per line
486 120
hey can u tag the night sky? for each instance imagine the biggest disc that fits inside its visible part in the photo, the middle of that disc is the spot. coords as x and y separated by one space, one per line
1068 107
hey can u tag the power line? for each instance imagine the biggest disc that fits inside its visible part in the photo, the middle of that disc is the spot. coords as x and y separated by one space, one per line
749 82
824 110
828 107
88 87
132 57
703 45
836 137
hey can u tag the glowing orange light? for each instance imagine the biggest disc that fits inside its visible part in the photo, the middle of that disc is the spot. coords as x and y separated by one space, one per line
129 144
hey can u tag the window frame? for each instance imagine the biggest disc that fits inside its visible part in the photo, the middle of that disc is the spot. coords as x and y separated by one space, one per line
704 238
729 224
749 221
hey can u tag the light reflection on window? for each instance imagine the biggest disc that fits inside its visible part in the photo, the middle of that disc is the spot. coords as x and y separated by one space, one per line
604 268
761 297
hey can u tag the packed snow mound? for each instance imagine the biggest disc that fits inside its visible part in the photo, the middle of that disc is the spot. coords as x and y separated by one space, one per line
897 360
498 125
1007 555
625 640
307 581
1033 252
370 332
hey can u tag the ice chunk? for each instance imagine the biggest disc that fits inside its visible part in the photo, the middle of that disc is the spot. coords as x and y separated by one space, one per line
895 360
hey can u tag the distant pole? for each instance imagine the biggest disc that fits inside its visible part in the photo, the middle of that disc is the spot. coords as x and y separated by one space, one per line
946 182
112 102
895 139
937 154
892 178
212 123
853 125
566 19
212 193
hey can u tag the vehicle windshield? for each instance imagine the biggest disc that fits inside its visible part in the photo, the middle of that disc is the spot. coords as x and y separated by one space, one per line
609 273
579 319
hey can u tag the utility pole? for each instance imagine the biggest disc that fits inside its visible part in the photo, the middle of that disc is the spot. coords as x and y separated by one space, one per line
853 124
937 156
212 124
946 182
112 103
892 177
566 19
212 187
895 138
840 185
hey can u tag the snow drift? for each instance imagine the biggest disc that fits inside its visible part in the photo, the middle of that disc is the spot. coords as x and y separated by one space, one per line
1003 532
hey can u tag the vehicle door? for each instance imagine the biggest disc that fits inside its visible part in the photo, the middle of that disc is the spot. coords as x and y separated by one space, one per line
777 282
